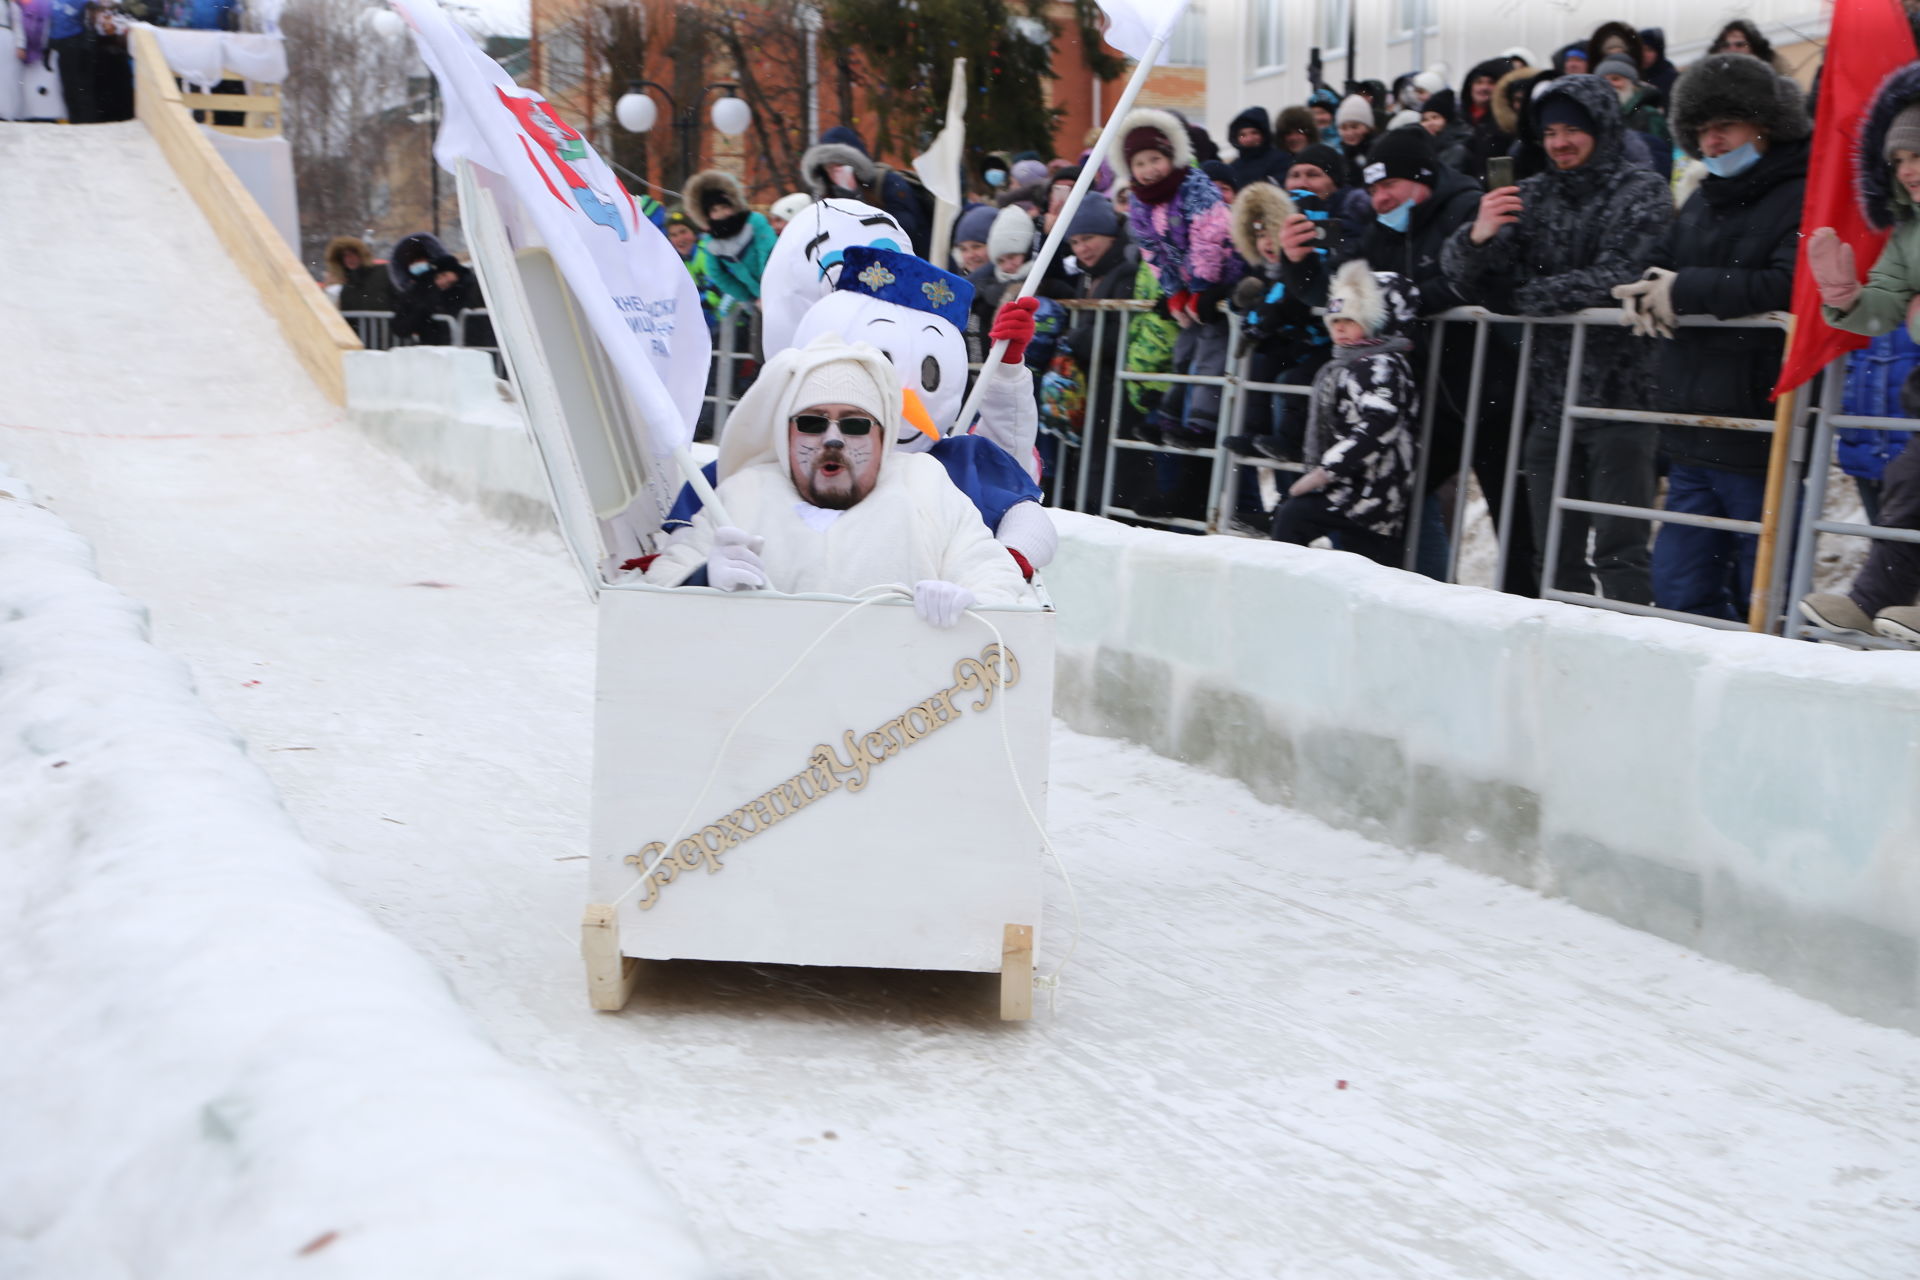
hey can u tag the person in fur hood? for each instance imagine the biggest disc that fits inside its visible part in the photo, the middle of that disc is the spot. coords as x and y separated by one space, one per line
1361 434
1288 343
1176 216
1556 243
1887 178
363 282
739 239
1730 252
839 165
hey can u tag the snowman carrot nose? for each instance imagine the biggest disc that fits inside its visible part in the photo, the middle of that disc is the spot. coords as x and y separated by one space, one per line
916 412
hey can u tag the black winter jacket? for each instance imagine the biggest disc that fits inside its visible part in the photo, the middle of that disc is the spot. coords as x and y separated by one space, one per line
1413 254
1262 161
1582 232
1732 249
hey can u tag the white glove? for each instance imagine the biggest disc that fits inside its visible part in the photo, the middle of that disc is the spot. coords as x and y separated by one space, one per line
1648 303
734 562
1027 529
940 603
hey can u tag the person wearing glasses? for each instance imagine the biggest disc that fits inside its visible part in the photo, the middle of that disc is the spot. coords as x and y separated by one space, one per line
821 504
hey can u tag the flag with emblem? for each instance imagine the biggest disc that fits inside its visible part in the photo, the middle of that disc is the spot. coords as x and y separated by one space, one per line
554 190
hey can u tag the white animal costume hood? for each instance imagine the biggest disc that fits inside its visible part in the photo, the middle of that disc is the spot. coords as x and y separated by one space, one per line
913 525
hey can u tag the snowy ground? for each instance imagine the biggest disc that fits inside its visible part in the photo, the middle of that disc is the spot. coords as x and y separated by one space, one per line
1279 1051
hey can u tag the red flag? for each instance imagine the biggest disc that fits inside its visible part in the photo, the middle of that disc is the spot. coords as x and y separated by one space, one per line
1868 39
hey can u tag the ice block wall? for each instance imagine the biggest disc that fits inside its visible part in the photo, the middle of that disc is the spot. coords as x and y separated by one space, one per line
1753 798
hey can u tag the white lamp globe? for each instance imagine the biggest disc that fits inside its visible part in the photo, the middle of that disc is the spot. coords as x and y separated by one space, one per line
635 112
732 115
386 24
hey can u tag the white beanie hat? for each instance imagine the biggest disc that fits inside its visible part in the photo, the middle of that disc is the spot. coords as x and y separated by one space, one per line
1012 232
1430 81
841 382
1355 108
1401 119
788 205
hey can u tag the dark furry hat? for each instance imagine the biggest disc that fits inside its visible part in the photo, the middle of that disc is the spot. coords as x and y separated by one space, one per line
1881 202
1736 86
1613 31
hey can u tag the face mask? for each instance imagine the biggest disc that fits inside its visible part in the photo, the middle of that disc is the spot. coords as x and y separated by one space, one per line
995 177
1734 163
1398 218
418 269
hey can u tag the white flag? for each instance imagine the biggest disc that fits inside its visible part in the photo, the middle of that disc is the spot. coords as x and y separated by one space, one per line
939 165
637 294
1133 24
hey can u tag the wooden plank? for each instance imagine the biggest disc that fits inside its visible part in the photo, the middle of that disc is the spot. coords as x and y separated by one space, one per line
610 975
312 326
244 131
1016 973
229 102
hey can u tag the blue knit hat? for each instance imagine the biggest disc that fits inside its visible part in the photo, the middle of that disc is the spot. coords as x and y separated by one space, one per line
1094 217
974 224
907 281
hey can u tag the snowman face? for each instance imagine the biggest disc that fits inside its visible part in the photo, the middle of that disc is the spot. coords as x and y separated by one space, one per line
929 354
805 261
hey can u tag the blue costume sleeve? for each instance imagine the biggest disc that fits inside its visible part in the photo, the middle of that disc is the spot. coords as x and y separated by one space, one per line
986 473
687 504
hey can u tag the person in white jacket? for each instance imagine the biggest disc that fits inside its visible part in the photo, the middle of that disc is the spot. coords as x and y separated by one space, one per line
821 504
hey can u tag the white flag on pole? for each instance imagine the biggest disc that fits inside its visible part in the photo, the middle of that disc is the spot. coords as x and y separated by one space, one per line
637 294
939 165
1133 24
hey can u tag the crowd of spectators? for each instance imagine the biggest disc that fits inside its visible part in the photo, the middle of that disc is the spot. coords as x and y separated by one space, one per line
1600 176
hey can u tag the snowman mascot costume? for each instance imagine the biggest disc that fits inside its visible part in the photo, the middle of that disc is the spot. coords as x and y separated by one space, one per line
917 314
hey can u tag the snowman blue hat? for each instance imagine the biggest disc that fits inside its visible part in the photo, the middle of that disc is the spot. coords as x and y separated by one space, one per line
907 281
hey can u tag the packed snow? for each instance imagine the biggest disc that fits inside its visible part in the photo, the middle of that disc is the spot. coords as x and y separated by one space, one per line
1279 1050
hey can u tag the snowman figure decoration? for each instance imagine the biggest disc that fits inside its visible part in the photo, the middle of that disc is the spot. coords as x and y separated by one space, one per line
806 261
915 314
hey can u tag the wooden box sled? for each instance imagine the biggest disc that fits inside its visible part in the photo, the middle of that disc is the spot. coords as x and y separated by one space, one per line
812 780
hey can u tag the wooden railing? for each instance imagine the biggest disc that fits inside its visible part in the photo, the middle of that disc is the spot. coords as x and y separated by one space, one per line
312 327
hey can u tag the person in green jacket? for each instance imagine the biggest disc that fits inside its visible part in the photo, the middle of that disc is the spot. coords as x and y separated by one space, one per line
739 239
684 236
1884 595
1638 102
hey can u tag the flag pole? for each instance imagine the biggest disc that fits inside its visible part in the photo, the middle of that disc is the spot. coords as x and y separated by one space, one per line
1761 603
1081 186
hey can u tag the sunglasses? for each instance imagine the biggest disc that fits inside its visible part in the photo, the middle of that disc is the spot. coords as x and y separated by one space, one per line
815 424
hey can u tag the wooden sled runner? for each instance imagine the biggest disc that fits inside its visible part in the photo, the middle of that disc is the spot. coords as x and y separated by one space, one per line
805 780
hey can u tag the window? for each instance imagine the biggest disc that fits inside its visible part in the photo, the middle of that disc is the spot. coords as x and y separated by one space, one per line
1334 16
1269 36
1415 15
1187 46
565 63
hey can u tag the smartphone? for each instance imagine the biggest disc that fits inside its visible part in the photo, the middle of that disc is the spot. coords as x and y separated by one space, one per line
1326 227
1499 172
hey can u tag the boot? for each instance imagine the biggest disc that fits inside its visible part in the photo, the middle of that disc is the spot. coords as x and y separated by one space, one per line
1835 612
1900 622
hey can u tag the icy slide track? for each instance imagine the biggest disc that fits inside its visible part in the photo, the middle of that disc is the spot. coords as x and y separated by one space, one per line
1530 1090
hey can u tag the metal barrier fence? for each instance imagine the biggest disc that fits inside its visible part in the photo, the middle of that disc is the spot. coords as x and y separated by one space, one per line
1235 384
729 353
1813 523
375 328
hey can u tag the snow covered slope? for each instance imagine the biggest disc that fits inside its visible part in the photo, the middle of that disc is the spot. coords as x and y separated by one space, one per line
1530 1091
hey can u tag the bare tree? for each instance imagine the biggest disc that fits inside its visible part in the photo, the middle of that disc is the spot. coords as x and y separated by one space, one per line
346 105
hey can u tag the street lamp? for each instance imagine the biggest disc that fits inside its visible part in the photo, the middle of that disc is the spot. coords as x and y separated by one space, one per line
637 113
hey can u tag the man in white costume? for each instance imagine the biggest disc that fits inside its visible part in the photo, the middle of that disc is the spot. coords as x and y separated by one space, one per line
822 504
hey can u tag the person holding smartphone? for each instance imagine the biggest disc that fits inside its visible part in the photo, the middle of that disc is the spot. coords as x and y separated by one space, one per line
1417 204
1556 243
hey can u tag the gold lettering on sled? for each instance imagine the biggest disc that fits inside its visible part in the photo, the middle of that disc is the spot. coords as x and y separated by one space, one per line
995 669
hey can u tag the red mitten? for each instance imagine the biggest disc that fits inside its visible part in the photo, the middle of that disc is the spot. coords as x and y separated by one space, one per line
1026 569
1186 301
1014 322
642 563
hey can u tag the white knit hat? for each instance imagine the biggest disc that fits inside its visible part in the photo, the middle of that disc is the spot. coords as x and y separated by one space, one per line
1401 119
1012 232
841 382
788 205
1355 108
1431 81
